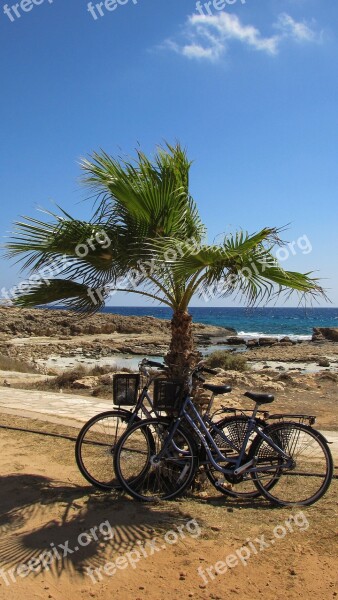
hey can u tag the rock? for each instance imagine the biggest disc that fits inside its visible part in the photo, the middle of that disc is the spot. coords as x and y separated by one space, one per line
236 341
321 334
263 341
267 341
65 323
328 376
287 340
106 379
86 383
234 377
207 331
286 378
276 387
323 362
252 343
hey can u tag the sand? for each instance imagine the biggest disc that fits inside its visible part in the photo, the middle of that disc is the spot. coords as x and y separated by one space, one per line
171 549
46 504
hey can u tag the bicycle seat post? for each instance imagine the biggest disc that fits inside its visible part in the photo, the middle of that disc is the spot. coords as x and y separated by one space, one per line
255 410
209 407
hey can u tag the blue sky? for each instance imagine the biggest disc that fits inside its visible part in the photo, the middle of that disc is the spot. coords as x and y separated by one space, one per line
250 89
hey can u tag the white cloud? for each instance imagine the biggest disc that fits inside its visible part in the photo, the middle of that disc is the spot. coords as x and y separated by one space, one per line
197 51
208 37
229 27
301 32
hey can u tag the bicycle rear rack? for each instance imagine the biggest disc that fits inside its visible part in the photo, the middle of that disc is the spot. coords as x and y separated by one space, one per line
300 418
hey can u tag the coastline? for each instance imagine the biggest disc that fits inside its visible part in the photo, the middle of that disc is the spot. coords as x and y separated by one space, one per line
59 339
303 375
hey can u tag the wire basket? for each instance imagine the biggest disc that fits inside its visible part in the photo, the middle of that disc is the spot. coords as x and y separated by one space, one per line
125 389
167 394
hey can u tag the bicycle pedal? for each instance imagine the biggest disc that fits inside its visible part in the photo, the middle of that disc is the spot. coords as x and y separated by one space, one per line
223 484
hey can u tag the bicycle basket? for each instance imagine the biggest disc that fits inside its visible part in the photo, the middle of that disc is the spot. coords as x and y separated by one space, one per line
167 394
125 389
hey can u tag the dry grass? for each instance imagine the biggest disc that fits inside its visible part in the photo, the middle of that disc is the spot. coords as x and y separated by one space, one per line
8 363
65 381
229 361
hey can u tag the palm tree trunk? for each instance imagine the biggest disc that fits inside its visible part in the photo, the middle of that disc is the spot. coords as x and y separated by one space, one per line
182 354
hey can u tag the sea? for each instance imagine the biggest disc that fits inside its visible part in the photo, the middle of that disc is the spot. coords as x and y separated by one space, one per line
296 323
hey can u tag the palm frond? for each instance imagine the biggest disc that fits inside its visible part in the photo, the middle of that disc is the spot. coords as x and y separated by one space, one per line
152 196
74 295
244 265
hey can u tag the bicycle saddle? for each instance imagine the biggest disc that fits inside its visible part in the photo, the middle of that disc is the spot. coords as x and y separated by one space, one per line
260 398
217 389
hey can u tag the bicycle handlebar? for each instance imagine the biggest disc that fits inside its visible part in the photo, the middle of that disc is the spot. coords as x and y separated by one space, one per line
153 363
210 371
201 367
199 378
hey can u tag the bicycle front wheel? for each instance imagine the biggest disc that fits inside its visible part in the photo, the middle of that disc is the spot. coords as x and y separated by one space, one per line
95 447
307 478
143 474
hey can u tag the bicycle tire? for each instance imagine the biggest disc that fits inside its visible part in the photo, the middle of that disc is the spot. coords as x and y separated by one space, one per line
95 446
143 479
310 475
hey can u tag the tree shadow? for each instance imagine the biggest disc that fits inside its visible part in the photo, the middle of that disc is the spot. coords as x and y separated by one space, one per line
51 522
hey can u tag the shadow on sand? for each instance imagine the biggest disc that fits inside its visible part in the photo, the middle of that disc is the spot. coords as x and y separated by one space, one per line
40 515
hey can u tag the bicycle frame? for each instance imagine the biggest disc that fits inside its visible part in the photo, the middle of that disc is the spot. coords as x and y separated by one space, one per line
207 440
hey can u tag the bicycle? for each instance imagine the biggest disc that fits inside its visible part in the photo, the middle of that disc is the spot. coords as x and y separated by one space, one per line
95 444
97 439
288 462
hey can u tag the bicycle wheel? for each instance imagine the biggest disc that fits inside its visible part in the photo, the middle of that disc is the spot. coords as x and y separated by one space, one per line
95 446
310 474
138 470
240 486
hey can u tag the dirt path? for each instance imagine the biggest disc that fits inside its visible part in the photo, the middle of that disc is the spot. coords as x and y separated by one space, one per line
144 552
51 405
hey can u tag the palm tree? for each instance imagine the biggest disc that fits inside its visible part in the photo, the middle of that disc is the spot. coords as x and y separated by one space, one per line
146 237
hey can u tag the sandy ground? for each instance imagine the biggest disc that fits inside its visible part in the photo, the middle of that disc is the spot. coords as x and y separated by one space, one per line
151 552
46 506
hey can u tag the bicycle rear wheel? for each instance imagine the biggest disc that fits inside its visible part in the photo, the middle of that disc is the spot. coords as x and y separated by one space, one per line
310 474
95 446
139 471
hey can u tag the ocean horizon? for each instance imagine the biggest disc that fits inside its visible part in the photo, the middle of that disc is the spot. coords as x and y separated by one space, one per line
296 323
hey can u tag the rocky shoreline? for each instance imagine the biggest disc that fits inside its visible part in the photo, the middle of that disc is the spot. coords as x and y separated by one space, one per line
32 334
37 334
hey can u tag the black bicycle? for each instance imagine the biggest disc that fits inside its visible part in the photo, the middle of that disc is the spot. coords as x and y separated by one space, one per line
289 463
96 442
